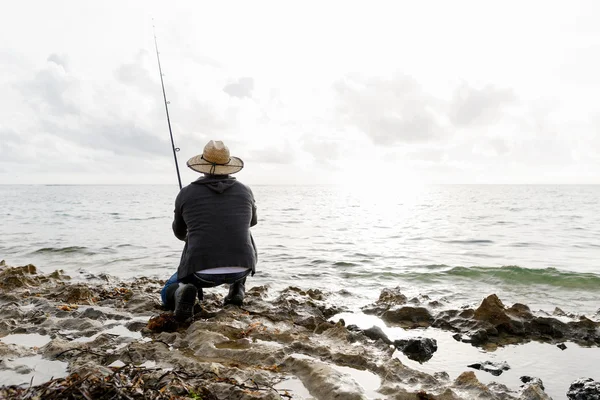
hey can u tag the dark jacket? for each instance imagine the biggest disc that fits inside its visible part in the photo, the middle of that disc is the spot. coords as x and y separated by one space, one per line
214 215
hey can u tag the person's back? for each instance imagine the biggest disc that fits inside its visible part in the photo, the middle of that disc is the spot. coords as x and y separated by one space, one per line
213 215
217 212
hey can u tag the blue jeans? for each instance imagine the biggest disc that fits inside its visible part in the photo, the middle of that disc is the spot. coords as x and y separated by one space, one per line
201 280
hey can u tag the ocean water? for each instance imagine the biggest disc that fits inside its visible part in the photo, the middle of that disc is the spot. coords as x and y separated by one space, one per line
538 245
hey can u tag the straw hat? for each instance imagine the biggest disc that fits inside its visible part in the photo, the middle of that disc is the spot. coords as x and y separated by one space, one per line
215 160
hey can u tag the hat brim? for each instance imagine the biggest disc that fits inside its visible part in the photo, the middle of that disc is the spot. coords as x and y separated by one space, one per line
198 164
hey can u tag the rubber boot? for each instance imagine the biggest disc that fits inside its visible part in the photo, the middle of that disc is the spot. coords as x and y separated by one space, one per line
185 298
236 294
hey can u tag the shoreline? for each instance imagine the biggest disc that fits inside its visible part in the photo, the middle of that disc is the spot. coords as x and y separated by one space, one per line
290 344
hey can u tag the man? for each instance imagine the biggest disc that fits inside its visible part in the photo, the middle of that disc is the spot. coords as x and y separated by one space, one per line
213 215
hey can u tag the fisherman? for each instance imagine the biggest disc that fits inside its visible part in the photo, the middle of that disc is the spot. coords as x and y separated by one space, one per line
213 215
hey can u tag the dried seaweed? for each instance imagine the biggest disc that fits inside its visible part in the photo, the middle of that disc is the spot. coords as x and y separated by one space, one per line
134 383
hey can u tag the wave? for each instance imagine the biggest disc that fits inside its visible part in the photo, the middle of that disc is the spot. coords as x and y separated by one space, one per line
514 275
344 264
63 250
472 241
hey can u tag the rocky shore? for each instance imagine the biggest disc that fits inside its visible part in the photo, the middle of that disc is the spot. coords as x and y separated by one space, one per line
104 338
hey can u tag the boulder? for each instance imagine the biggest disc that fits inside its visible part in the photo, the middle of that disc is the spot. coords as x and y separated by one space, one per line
584 389
417 349
493 311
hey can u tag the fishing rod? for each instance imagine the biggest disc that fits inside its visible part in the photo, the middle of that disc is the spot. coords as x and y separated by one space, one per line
175 149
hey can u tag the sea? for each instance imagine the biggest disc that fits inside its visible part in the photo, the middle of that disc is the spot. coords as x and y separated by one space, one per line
537 245
456 244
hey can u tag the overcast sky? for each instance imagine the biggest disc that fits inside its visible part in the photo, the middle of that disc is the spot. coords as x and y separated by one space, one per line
304 92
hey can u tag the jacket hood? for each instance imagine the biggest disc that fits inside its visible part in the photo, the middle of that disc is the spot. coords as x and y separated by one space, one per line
216 183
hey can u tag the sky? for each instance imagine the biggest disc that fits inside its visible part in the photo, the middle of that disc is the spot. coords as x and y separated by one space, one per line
304 92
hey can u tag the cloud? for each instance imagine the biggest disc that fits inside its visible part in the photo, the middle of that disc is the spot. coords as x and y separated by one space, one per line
60 60
137 75
241 89
471 106
389 111
49 91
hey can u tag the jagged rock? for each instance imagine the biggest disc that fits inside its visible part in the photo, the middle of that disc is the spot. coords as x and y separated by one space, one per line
532 381
562 346
494 368
411 316
75 294
558 312
387 299
17 277
584 389
534 392
376 333
492 310
468 380
417 349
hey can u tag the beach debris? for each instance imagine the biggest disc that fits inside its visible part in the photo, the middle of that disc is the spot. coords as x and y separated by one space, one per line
127 382
68 307
418 349
494 368
163 323
584 389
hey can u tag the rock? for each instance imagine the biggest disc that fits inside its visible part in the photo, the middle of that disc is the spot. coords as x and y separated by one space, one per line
532 381
478 337
18 277
584 389
561 346
408 316
468 380
520 311
388 298
92 313
376 333
492 310
559 313
545 326
417 349
534 392
136 326
2 263
391 297
75 294
494 368
325 382
353 328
